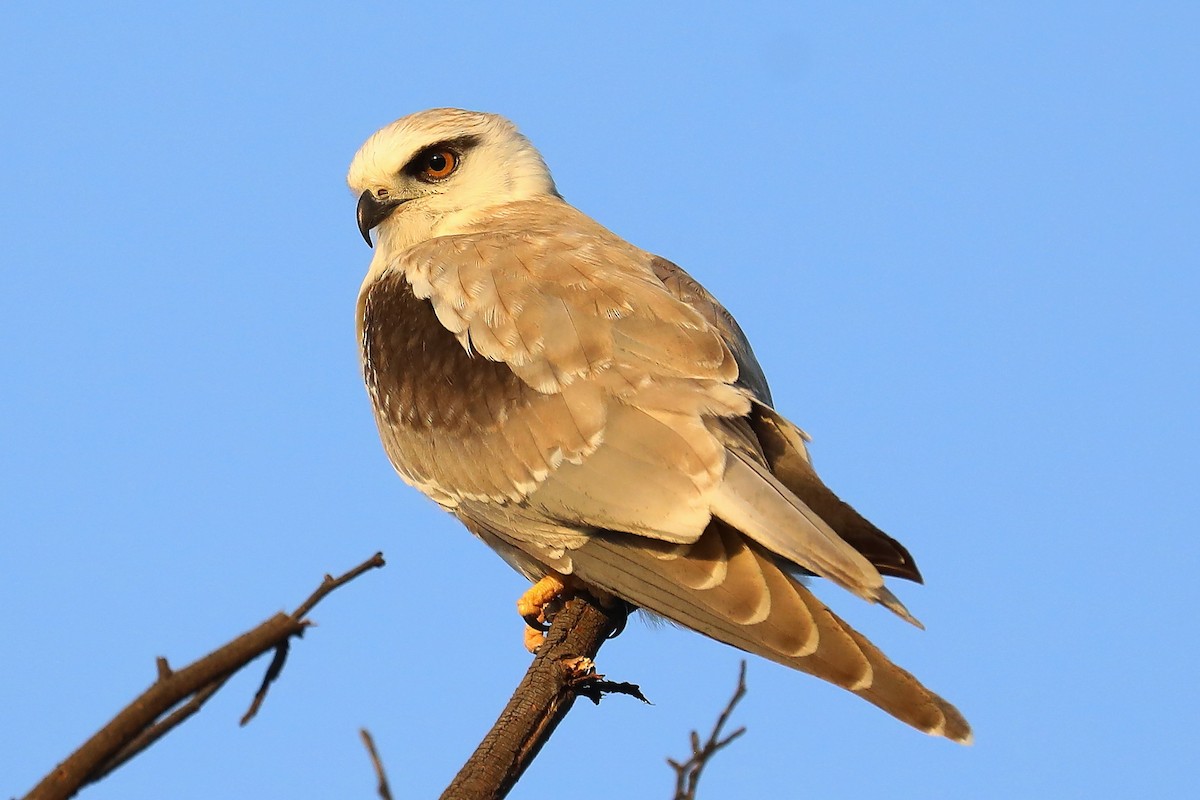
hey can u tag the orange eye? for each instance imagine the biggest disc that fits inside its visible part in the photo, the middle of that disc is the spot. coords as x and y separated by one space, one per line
437 165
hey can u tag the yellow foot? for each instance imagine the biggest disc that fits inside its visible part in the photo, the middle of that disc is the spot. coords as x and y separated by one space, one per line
533 639
532 604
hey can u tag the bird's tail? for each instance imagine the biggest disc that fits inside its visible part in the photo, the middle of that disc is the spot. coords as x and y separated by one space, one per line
728 587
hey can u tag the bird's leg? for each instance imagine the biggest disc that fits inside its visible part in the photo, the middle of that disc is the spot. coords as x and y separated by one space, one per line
541 602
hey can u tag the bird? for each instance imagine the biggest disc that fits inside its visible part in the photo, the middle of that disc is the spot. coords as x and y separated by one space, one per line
594 415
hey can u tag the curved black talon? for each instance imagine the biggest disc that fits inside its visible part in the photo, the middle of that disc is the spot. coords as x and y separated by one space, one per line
627 609
534 622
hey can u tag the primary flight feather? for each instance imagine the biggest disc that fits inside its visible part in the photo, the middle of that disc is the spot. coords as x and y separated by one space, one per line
591 412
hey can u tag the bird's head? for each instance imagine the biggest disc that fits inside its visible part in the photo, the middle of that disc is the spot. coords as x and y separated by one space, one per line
434 171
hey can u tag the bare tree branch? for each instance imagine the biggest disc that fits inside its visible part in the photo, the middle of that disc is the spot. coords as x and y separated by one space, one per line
156 731
385 791
687 774
142 723
561 671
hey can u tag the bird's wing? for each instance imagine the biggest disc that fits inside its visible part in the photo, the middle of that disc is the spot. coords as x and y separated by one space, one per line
689 290
518 348
624 421
783 444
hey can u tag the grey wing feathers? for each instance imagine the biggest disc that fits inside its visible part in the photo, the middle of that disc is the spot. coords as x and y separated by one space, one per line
711 585
782 445
781 442
686 288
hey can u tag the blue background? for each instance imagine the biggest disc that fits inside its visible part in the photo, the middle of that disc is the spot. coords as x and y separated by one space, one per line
963 238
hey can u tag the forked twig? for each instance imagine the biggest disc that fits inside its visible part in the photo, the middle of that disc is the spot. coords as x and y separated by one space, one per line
142 722
687 773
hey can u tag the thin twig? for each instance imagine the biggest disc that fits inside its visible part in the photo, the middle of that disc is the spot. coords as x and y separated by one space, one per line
158 730
687 774
141 723
385 791
328 584
273 671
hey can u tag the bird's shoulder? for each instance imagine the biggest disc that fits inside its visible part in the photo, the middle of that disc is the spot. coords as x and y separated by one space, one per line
557 297
545 244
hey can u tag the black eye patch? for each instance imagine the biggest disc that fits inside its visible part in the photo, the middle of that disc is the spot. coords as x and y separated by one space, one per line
422 160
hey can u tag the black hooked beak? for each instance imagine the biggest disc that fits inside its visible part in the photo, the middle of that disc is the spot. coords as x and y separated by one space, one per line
373 210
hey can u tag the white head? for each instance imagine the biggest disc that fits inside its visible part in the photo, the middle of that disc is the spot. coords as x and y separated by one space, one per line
430 172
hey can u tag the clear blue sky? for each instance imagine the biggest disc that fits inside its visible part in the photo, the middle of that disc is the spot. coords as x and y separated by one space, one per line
963 238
